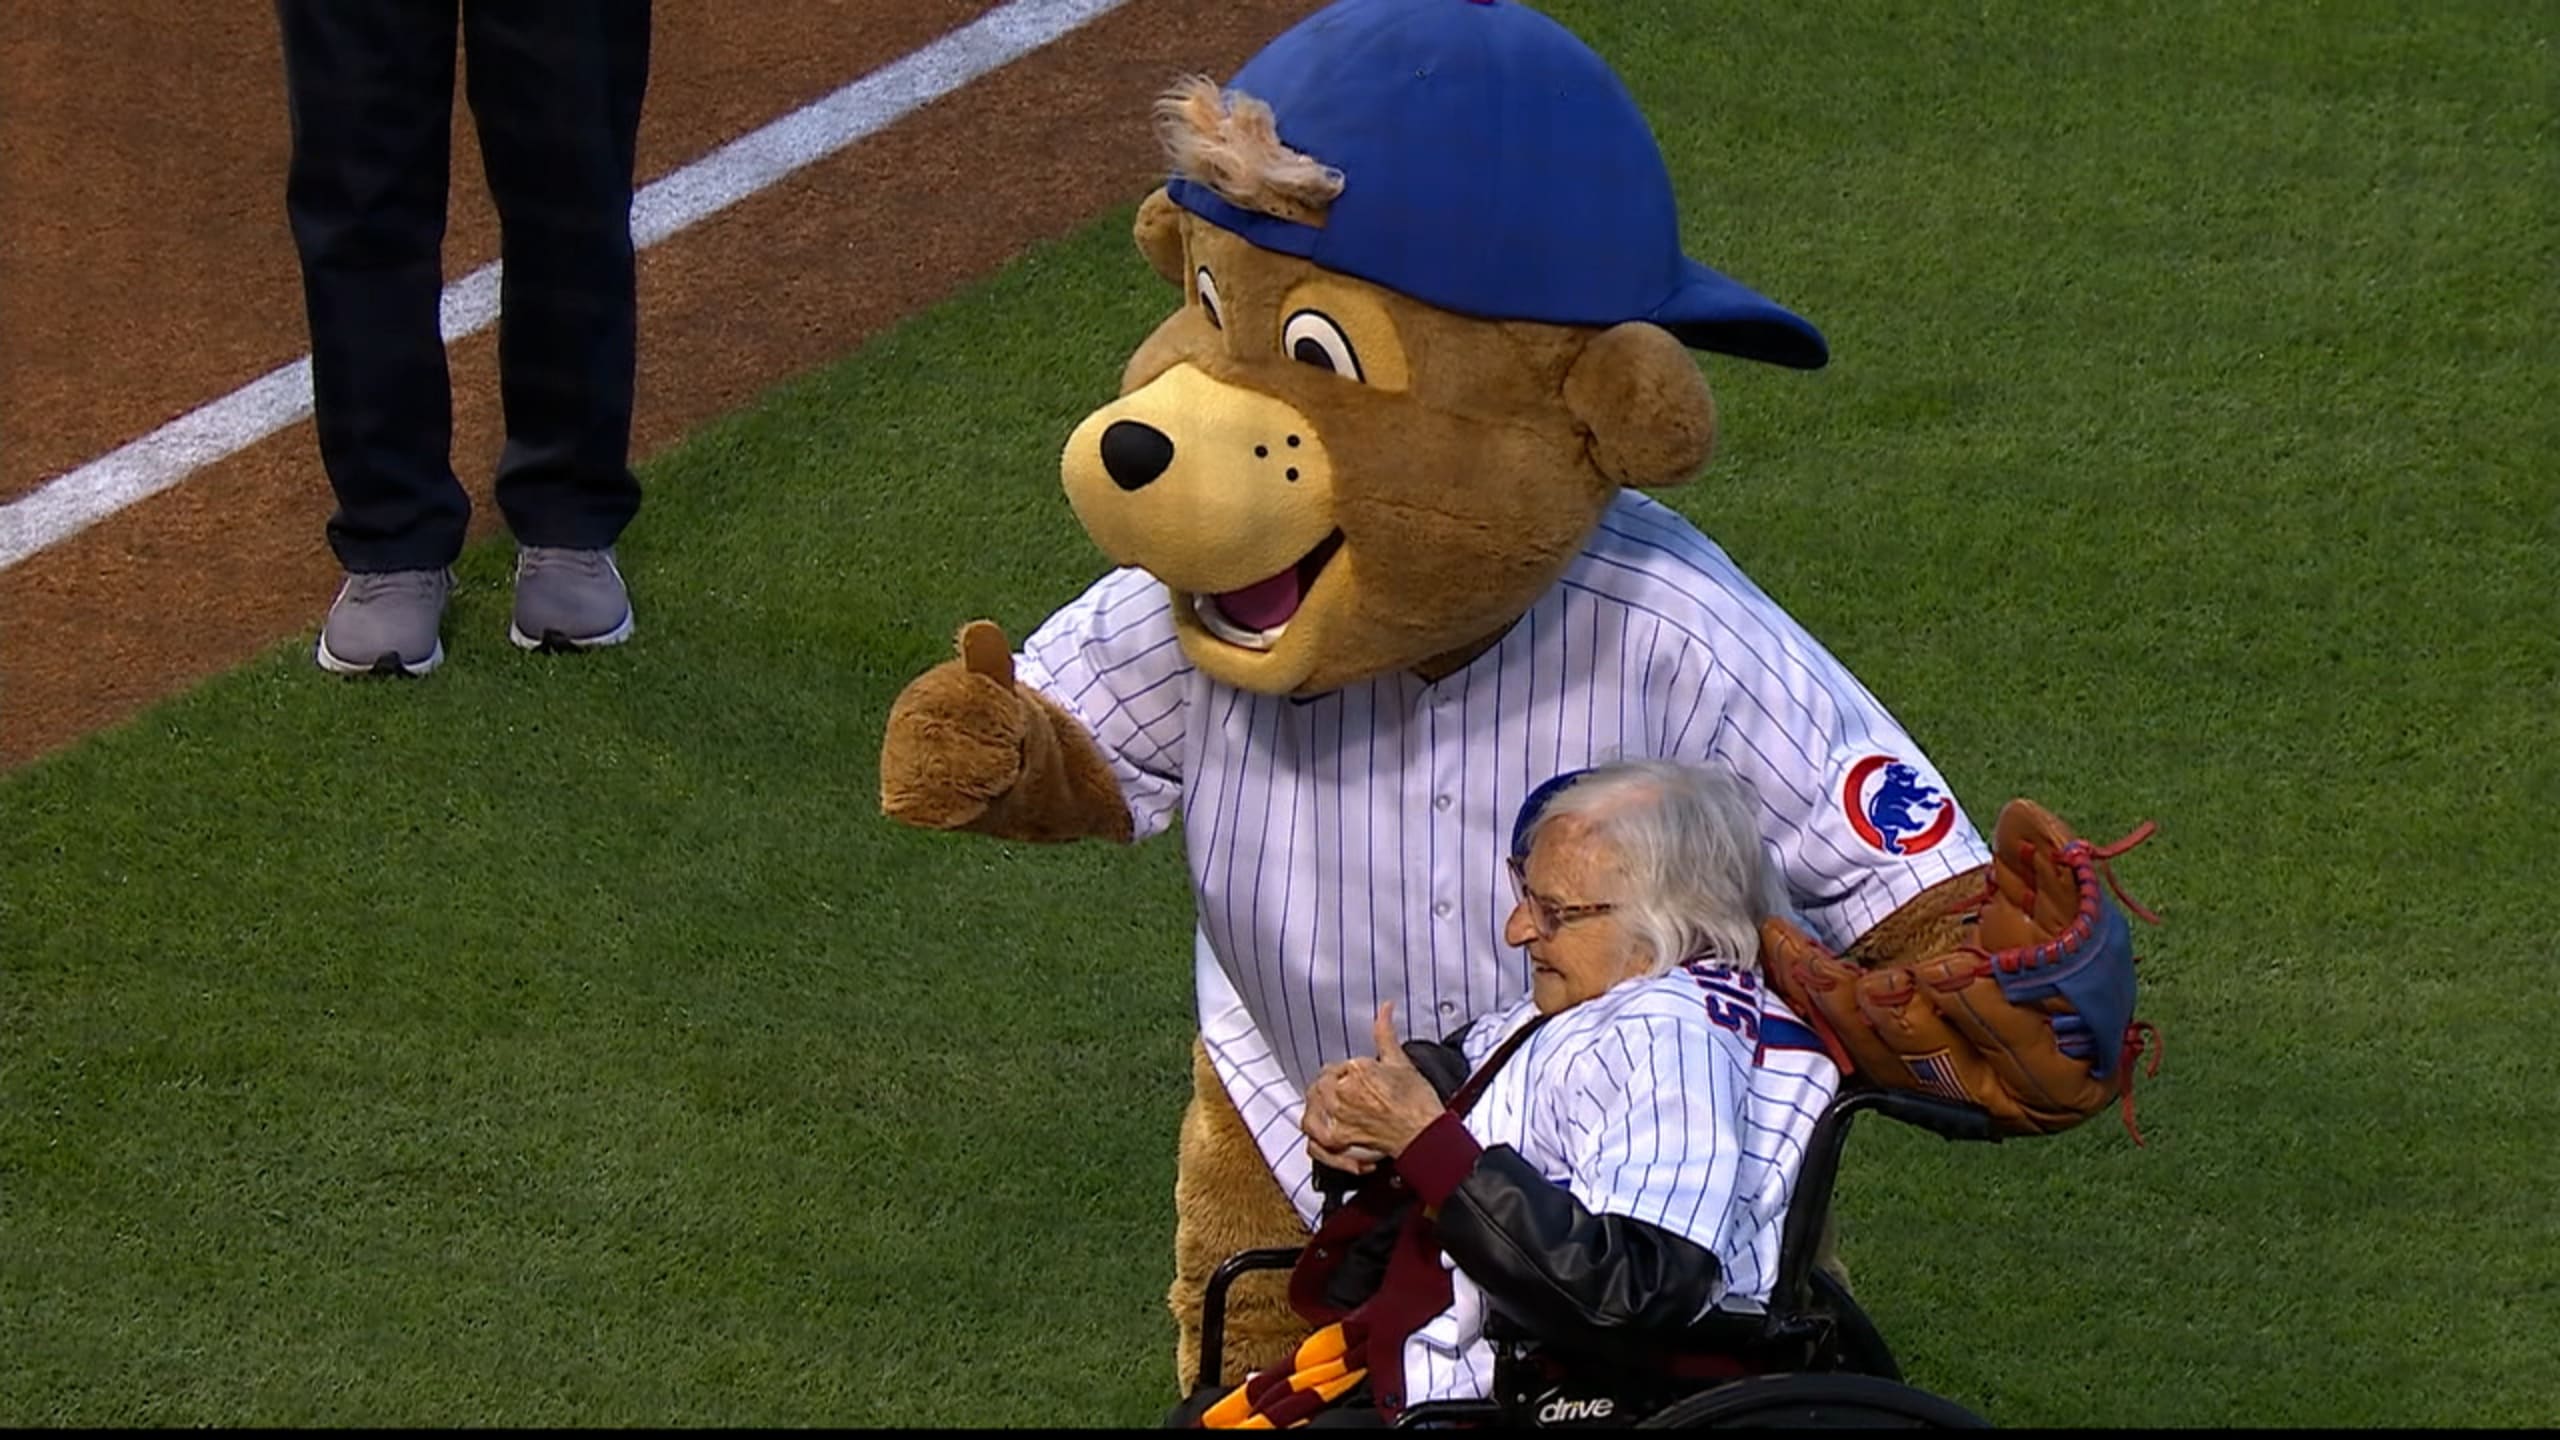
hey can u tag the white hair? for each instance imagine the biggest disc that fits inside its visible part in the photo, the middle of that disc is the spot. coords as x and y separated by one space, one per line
1688 837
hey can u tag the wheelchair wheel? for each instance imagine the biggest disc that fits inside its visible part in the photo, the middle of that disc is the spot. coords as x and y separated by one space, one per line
1788 1402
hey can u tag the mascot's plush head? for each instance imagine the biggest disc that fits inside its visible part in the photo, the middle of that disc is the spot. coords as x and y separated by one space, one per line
1434 315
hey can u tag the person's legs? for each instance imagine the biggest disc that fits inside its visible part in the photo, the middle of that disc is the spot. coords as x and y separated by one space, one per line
369 92
369 98
556 89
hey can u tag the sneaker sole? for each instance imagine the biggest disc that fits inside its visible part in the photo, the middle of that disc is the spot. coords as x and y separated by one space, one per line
382 665
553 640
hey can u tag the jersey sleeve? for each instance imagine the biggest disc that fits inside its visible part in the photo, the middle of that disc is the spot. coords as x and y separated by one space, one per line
1110 659
1856 818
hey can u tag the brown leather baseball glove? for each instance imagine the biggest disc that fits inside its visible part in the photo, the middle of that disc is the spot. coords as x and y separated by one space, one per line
2028 1013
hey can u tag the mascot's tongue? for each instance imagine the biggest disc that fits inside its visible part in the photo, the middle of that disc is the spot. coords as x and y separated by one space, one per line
1264 604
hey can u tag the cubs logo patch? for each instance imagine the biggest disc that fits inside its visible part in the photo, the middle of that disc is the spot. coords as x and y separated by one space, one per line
1892 808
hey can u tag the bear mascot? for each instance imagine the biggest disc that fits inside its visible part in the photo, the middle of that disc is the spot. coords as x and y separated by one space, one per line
1377 495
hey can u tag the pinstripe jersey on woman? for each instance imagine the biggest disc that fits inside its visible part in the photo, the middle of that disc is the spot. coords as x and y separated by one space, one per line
1683 1100
1347 848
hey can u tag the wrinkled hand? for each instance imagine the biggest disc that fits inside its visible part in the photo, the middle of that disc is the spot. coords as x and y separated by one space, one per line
954 739
1362 1111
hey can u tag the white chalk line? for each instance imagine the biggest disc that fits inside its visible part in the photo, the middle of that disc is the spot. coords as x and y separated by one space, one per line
77 499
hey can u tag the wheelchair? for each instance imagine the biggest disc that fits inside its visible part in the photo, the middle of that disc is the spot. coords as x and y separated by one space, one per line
1811 1359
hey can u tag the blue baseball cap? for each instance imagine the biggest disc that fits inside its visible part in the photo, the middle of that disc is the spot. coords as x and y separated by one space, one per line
1495 166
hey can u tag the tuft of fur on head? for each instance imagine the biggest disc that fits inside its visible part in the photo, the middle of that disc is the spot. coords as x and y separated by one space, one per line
1229 141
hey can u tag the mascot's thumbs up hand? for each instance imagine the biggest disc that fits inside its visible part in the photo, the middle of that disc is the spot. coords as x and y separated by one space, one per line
955 736
968 747
985 651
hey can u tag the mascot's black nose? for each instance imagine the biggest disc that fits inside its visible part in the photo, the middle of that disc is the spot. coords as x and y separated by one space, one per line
1135 454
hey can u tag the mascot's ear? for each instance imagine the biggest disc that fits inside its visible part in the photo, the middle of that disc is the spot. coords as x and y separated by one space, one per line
1646 414
1159 233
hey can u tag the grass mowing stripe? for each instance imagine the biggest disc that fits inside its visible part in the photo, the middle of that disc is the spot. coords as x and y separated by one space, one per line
568 1041
2176 460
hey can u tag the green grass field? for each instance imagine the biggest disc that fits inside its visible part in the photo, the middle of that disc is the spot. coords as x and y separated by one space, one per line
569 1041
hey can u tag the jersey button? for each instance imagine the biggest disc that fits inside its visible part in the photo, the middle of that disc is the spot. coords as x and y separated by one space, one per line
1440 803
1448 1007
1440 908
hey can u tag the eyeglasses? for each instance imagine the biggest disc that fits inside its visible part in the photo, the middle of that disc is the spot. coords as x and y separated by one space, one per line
1544 913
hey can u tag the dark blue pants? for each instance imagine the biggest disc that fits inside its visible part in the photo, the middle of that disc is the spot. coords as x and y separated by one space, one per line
555 88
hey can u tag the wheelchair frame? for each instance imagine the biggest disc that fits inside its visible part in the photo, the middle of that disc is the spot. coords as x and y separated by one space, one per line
1812 1357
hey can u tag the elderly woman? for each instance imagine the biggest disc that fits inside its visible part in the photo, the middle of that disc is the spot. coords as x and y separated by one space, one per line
1630 1133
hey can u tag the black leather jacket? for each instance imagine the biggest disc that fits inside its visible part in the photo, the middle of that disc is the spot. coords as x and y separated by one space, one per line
1548 1265
1559 1272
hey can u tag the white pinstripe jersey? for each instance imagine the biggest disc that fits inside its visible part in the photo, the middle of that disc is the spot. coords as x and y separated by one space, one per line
1348 848
1684 1101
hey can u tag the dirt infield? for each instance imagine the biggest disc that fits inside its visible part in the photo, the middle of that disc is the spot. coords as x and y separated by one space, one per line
145 269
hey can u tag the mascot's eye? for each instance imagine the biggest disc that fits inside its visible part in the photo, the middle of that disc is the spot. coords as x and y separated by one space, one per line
1209 296
1311 338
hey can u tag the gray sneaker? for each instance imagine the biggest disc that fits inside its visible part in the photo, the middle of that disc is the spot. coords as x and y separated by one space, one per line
386 624
569 600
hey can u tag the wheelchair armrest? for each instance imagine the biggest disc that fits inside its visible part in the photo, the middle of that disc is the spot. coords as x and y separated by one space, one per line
1951 1119
1213 1302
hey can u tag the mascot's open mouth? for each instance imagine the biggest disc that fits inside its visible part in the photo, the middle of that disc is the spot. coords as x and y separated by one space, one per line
1255 616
